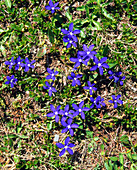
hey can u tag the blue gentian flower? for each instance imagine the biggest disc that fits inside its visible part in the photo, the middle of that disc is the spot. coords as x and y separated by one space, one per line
66 112
52 74
52 6
18 62
116 76
87 53
56 112
70 41
28 64
66 147
12 63
70 33
98 102
78 60
50 88
75 79
100 64
80 110
116 100
90 87
11 81
69 126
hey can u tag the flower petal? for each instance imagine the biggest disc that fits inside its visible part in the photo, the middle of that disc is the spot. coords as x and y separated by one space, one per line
74 125
81 104
70 151
71 26
62 152
82 115
60 145
94 68
64 130
64 31
67 141
56 118
71 145
104 59
50 114
101 70
71 132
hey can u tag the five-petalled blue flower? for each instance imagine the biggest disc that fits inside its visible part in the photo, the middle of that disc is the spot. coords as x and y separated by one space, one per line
100 64
56 112
66 147
52 6
80 110
50 88
11 81
52 74
116 100
75 79
69 126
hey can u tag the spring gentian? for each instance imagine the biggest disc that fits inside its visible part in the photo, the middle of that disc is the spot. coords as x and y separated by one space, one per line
52 74
78 60
70 33
116 100
65 147
90 87
28 64
87 53
98 102
55 112
11 81
10 63
116 76
52 6
70 42
66 112
18 62
50 88
100 64
69 126
75 79
80 110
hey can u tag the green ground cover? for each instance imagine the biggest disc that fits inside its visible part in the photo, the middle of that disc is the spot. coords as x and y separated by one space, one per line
106 138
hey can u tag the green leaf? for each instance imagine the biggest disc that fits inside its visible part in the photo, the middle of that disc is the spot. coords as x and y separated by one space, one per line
107 166
23 137
121 160
87 11
104 11
11 136
97 24
124 139
3 50
10 142
113 158
105 52
1 30
51 36
49 125
8 3
135 7
81 8
41 52
96 138
82 34
69 16
134 156
89 133
112 65
16 159
102 146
